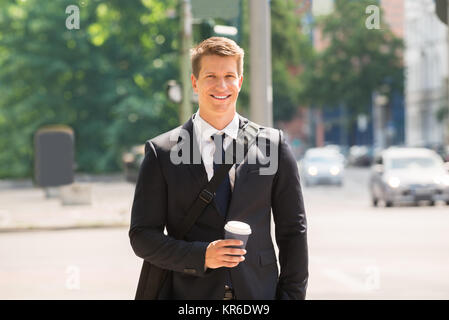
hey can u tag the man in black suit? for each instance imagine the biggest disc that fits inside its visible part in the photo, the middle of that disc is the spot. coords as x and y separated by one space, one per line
203 265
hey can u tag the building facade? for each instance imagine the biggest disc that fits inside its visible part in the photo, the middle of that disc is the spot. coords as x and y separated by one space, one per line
392 126
426 60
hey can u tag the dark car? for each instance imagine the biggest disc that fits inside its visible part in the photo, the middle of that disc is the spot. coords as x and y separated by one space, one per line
360 156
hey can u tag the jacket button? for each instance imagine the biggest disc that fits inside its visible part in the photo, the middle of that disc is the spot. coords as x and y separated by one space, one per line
190 271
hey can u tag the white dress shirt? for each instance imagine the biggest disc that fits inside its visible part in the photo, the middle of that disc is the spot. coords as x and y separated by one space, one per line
203 132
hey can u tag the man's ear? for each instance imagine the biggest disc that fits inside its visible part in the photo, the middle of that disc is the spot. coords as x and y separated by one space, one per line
240 82
193 79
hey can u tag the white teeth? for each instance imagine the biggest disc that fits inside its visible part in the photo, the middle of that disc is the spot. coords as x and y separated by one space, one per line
218 97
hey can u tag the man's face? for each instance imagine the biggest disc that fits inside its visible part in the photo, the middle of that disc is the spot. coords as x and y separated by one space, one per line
218 84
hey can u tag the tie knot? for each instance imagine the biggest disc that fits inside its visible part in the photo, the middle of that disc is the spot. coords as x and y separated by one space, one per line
218 140
218 137
219 149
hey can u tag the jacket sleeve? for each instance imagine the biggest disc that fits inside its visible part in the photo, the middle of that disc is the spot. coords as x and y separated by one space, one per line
290 226
148 220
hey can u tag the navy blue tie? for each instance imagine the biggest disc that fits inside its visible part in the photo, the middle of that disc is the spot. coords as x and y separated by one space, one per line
223 193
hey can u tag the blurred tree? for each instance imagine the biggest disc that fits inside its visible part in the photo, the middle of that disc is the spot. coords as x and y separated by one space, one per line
356 62
291 50
105 80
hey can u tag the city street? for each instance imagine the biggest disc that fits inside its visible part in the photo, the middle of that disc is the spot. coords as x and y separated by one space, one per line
347 83
356 252
360 252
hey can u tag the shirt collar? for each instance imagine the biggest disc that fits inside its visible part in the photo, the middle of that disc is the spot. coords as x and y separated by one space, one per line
206 130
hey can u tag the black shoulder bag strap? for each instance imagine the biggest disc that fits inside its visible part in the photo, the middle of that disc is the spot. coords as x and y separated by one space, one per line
152 277
247 137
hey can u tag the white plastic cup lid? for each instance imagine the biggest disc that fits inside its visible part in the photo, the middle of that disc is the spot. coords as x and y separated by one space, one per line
238 227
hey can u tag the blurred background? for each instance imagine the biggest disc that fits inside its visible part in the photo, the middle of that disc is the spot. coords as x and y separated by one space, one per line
359 87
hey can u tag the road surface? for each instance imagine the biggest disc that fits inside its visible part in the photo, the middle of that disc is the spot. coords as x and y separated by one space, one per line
356 252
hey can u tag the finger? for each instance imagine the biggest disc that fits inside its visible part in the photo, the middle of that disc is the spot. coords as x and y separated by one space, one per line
230 264
233 251
229 242
234 259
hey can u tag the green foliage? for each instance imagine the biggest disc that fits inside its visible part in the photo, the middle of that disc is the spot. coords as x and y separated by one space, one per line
290 51
105 80
356 62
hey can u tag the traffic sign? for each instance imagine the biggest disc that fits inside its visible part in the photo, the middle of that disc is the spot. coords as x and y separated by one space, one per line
204 9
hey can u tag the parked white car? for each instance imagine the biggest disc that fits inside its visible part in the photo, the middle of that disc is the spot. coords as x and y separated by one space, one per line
409 175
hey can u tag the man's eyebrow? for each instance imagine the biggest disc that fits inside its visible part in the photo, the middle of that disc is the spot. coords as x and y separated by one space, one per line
212 72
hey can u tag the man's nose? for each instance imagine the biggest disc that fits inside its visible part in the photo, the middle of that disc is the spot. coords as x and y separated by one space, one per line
221 83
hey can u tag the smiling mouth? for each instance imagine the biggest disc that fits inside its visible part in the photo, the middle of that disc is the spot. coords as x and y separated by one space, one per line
220 97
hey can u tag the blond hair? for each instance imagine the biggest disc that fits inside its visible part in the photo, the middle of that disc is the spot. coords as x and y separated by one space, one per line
220 46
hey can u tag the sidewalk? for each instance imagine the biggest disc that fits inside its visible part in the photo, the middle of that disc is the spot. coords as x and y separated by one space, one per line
25 207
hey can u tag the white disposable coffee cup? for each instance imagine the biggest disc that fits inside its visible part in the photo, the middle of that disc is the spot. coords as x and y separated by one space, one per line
237 230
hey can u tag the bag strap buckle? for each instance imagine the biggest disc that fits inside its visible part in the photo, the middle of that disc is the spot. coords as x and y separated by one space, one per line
206 196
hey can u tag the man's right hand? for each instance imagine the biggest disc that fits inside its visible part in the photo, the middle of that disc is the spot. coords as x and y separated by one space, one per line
219 255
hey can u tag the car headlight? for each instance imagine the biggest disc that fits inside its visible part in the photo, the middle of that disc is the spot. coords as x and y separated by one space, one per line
442 180
446 180
394 182
334 170
313 171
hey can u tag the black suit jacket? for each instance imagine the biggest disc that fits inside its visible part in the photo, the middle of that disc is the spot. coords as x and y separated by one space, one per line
163 195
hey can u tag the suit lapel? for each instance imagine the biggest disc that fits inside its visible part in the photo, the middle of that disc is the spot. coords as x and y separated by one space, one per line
241 168
198 172
241 175
196 166
241 172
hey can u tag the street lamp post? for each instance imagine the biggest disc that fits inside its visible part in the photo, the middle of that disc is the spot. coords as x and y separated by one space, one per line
442 11
447 82
186 43
261 100
380 101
